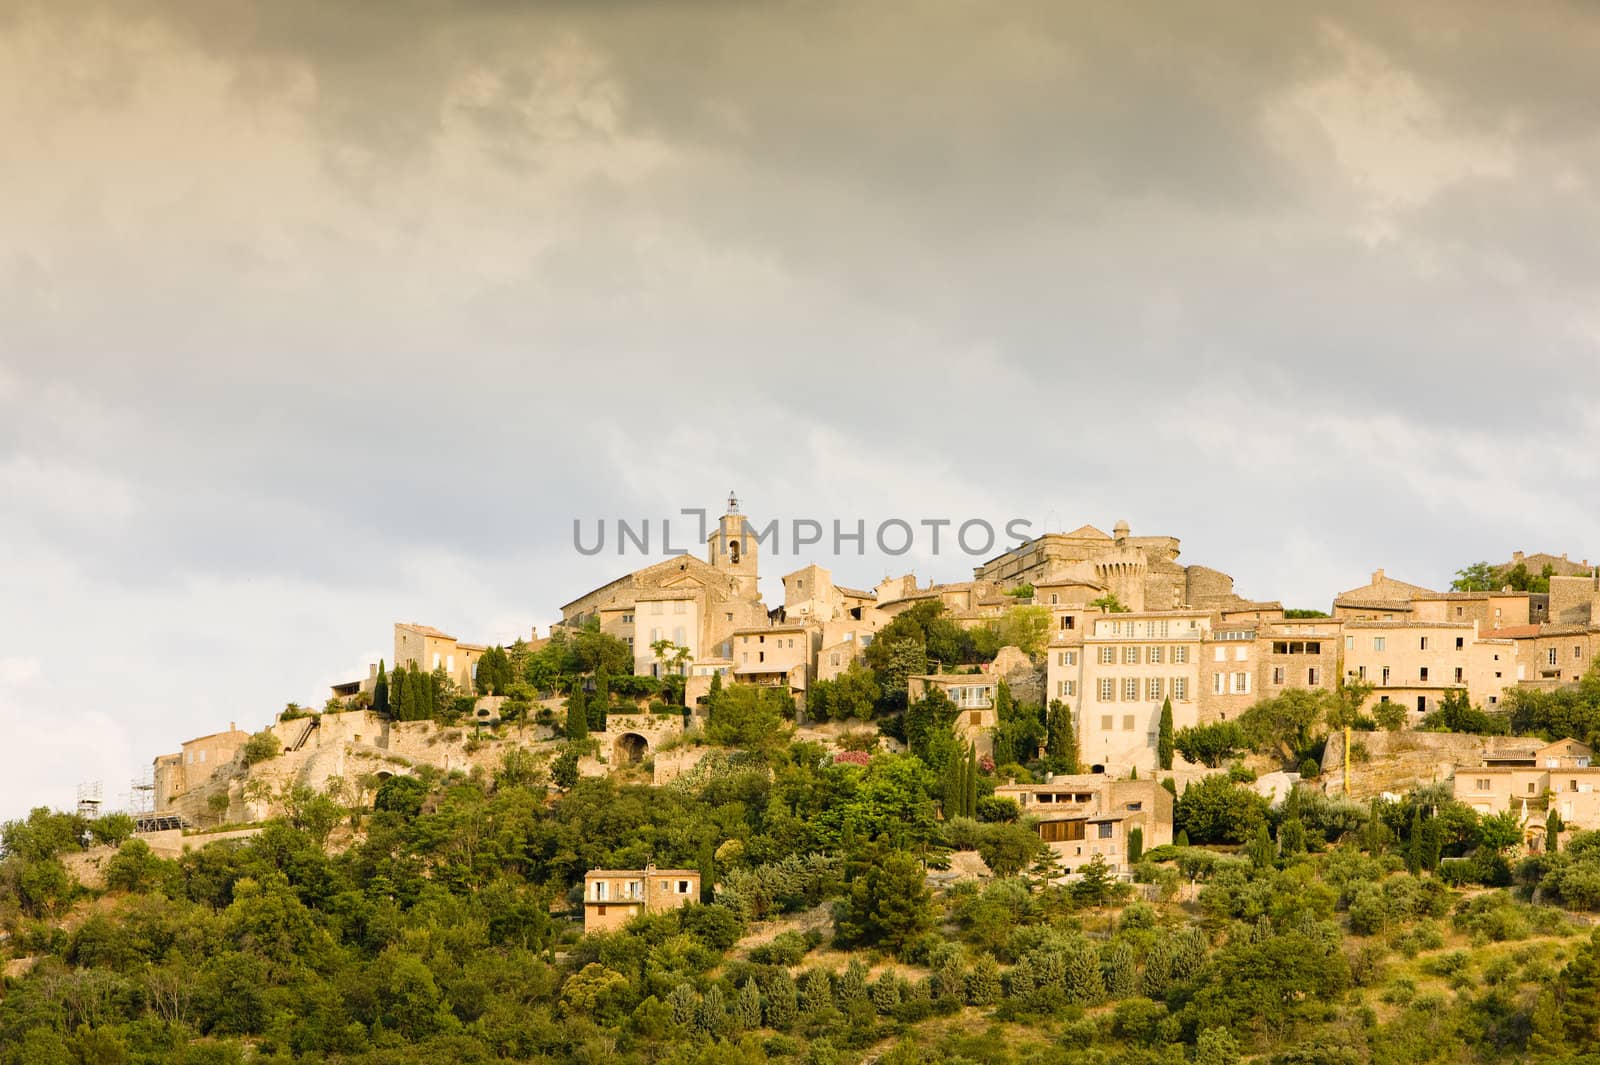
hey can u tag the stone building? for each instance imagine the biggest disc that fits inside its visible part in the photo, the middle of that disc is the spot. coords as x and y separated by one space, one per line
194 764
429 649
1128 666
1143 572
1556 776
1082 816
703 602
1417 663
1574 599
1383 598
613 897
1491 610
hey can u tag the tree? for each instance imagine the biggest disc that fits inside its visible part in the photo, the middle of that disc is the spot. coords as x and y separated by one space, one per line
1414 844
1215 810
1135 844
577 716
1552 832
1283 722
1109 604
1478 577
1026 628
889 904
380 691
1164 737
1390 715
1061 738
929 717
1500 832
261 746
1216 1046
745 715
1262 851
1210 745
1009 849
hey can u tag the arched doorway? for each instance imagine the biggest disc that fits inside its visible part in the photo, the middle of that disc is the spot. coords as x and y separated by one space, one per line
630 749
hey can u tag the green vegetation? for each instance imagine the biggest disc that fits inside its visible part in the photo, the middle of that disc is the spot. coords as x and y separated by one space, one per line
1482 577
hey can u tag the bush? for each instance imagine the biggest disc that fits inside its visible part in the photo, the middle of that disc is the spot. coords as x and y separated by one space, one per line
992 809
262 746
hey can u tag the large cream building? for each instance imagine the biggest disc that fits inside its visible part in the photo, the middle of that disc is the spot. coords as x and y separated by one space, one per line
1127 666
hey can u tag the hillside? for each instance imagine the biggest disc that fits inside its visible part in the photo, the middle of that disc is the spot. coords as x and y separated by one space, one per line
440 923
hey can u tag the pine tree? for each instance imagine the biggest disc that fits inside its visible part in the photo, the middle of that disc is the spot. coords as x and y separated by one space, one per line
380 691
1164 738
781 1000
1216 1046
1157 969
1119 969
983 981
1552 833
747 1007
685 1004
853 984
885 993
816 993
1082 978
712 1017
577 716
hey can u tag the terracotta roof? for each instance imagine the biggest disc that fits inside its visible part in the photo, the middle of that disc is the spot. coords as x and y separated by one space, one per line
426 630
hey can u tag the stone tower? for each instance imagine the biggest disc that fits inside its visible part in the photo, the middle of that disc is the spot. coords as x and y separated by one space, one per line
731 548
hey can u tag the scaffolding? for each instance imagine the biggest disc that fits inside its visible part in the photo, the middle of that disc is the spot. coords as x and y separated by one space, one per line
89 795
142 793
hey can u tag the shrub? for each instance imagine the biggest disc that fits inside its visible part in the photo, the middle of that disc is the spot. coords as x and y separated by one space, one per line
262 746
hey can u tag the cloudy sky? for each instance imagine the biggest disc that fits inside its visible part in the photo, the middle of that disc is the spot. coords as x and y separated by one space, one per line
317 315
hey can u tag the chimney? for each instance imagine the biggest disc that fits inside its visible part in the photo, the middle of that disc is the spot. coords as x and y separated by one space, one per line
1517 556
1377 575
232 727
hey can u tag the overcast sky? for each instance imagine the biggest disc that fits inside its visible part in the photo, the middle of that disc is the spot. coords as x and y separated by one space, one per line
319 315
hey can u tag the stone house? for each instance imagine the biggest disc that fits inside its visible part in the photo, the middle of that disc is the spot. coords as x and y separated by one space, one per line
1091 814
429 649
1559 776
1129 665
1417 663
195 764
613 897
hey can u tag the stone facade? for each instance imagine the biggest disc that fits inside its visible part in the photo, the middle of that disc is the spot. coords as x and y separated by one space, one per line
613 897
1082 816
195 764
1129 665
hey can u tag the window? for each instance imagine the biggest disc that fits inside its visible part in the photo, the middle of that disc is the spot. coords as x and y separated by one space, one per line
1460 611
833 659
1361 672
1551 656
683 887
1380 643
1241 683
1219 683
1127 722
1180 689
1424 674
601 890
1180 655
1278 676
1107 689
1108 655
1459 672
1577 652
627 619
1054 599
202 756
1155 689
1105 828
1130 655
1530 787
974 717
1424 645
1461 643
437 658
1313 675
1061 831
1220 654
1130 689
1155 656
1241 653
1067 621
1349 643
1482 783
1385 674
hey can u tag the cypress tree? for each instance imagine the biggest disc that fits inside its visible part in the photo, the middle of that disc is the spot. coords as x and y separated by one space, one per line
1432 843
1164 738
380 691
953 790
708 874
1414 844
1135 844
577 716
1261 850
1552 833
602 688
971 799
397 694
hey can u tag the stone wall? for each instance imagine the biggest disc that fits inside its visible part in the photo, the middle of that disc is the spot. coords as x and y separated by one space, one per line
1395 762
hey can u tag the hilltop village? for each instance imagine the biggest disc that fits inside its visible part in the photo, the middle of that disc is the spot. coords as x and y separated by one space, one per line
1090 807
1091 675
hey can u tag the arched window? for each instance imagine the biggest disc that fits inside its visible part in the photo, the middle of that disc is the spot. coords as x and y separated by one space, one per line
733 552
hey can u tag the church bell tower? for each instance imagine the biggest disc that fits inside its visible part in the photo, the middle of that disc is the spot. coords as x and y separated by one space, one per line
731 548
